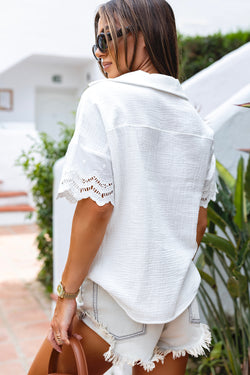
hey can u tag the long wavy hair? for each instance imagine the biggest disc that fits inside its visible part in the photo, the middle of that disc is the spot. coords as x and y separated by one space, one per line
155 19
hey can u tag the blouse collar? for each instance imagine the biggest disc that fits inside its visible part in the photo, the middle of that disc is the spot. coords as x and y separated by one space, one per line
156 81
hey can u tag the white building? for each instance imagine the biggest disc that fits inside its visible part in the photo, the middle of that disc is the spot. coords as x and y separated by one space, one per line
43 75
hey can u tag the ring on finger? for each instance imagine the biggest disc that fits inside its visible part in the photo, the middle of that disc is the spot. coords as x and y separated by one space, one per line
58 337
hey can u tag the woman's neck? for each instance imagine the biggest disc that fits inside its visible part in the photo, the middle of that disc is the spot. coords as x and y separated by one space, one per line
147 66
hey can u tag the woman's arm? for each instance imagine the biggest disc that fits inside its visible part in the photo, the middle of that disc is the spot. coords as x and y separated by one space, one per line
88 229
87 232
201 225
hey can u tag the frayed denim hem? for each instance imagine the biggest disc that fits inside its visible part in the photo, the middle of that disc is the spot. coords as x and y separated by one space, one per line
193 350
158 354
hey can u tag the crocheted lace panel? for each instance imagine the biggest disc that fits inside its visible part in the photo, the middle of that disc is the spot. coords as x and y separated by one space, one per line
208 195
74 188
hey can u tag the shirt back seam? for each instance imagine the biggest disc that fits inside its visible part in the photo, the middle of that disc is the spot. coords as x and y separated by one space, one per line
162 130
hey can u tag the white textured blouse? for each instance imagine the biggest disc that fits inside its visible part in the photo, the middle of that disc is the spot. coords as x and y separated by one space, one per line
140 144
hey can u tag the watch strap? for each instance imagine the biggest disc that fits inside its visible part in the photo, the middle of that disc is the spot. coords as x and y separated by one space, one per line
70 295
65 294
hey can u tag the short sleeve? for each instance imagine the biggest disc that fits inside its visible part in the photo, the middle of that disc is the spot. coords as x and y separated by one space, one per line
87 170
210 187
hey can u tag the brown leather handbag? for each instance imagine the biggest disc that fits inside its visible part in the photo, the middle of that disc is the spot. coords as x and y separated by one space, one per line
79 355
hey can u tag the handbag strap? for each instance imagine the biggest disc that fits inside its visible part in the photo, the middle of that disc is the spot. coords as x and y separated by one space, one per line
80 358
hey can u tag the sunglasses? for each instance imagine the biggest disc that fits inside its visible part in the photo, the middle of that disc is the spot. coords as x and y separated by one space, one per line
102 43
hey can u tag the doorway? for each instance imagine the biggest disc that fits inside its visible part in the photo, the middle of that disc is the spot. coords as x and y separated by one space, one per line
54 105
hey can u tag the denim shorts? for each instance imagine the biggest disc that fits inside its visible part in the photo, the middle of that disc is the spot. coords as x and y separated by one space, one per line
135 343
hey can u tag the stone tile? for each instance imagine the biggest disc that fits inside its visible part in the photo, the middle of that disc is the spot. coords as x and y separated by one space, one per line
19 303
38 291
27 315
12 368
18 229
22 229
18 257
31 331
12 289
30 347
6 230
4 334
24 305
29 363
1 322
7 351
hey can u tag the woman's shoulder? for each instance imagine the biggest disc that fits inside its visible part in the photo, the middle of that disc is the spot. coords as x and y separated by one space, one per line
100 86
102 91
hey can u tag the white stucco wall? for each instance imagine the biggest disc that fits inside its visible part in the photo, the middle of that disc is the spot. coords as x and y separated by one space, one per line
12 142
214 85
24 79
32 73
231 125
61 226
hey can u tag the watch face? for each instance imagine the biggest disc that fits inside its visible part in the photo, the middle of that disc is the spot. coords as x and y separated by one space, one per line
60 289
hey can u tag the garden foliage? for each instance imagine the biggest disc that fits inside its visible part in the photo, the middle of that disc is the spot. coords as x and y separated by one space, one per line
197 53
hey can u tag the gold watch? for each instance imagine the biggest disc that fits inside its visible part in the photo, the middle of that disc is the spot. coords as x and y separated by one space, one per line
63 294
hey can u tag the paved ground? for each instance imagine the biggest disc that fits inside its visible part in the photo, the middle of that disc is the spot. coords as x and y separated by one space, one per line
24 307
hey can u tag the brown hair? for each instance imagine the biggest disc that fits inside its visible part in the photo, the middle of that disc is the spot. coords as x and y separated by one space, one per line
155 19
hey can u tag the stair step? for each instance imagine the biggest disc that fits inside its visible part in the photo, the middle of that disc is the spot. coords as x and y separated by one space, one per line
16 218
15 201
17 208
8 194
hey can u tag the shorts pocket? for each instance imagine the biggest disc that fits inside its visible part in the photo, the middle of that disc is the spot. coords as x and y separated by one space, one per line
193 310
113 317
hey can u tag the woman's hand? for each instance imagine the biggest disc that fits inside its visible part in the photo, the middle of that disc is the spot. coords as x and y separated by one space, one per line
61 323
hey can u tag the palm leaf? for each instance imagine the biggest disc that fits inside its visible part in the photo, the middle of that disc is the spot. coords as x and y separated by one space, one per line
226 175
246 105
208 279
220 243
247 180
239 196
244 251
216 218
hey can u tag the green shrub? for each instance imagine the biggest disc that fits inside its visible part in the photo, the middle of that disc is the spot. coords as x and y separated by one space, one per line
37 164
197 53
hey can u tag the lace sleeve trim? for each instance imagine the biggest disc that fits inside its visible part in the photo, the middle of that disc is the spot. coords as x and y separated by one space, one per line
74 188
208 195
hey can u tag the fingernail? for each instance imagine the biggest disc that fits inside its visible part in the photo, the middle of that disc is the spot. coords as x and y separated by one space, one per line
77 336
